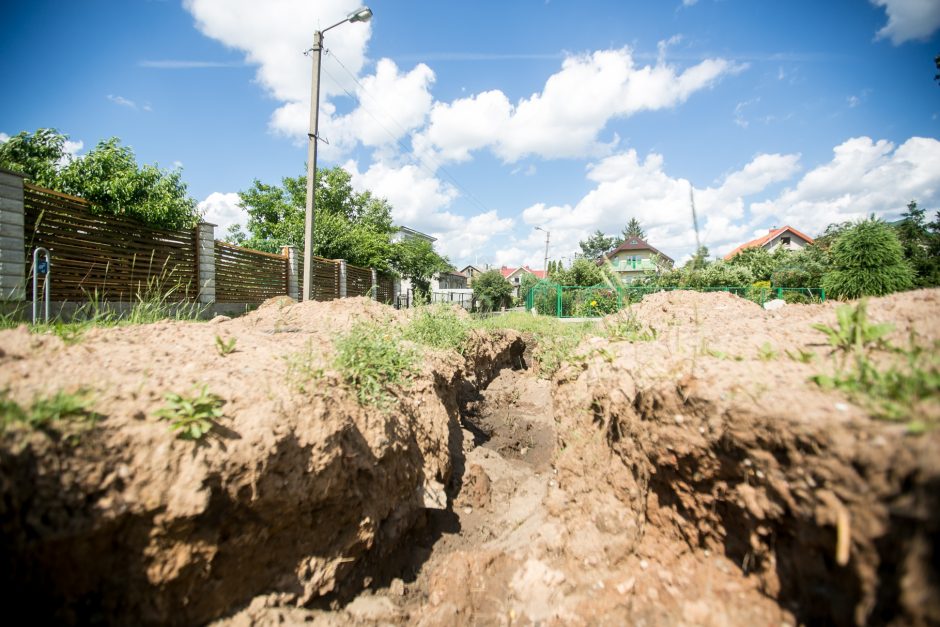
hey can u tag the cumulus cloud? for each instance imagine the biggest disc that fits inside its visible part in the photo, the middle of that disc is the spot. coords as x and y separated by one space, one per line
273 35
420 201
4 137
909 19
567 116
863 177
224 210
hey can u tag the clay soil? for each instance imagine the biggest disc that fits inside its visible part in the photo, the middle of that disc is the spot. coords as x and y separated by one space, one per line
696 479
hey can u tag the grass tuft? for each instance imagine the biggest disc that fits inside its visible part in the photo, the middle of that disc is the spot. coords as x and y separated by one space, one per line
373 360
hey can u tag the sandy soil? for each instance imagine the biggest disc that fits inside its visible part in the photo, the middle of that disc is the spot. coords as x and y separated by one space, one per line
697 479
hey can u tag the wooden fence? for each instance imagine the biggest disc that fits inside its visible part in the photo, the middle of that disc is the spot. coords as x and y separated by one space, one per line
113 257
243 275
358 281
118 259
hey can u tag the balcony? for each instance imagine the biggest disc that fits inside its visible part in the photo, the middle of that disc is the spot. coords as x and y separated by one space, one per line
634 265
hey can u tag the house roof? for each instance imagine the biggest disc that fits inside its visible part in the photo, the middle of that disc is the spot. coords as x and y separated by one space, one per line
763 239
457 273
413 233
635 243
508 271
471 268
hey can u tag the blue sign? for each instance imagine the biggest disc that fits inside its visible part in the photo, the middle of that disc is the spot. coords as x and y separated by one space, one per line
42 266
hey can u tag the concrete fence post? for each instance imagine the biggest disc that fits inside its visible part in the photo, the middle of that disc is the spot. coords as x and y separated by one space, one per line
342 277
293 271
12 243
205 262
375 285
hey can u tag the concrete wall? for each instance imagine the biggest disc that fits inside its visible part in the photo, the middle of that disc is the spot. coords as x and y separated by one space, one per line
12 245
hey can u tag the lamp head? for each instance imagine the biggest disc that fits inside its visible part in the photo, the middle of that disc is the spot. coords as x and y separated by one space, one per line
360 15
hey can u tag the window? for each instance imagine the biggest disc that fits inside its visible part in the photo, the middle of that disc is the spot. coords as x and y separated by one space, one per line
786 241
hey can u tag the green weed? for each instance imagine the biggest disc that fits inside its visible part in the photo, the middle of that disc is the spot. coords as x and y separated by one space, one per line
624 326
44 411
766 352
438 326
225 347
303 368
372 360
893 392
192 417
802 356
555 341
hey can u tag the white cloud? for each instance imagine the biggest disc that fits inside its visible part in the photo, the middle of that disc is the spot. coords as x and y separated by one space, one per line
420 201
273 36
567 116
909 19
122 101
4 137
864 177
853 101
224 210
688 3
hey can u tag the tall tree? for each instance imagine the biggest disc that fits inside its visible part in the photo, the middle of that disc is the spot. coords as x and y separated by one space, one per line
415 259
633 229
867 260
916 239
108 176
597 244
491 290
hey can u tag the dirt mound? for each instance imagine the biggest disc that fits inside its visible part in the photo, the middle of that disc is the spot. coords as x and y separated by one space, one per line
125 522
683 307
711 441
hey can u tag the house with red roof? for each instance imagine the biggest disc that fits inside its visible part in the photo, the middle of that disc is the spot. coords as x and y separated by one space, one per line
634 257
786 236
514 275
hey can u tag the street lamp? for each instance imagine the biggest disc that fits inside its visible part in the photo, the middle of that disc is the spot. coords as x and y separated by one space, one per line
361 15
547 236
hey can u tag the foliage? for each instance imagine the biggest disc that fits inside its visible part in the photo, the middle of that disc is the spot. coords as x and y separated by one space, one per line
633 229
716 274
802 268
225 347
372 360
597 244
38 155
193 416
894 392
414 258
437 326
592 302
108 177
491 290
699 260
46 410
303 368
625 327
583 272
527 282
760 261
353 226
918 239
867 260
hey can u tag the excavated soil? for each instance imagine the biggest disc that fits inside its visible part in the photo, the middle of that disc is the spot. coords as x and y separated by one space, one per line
696 479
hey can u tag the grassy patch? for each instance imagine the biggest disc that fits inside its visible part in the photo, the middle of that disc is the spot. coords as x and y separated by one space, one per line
437 326
45 411
373 360
303 369
893 392
623 326
555 341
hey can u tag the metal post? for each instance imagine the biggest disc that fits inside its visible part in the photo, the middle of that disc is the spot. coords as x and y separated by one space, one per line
545 264
309 216
37 270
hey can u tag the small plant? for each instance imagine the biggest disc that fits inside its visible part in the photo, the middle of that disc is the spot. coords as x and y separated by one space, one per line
896 392
372 360
853 334
625 327
303 368
192 417
46 410
225 347
766 352
802 356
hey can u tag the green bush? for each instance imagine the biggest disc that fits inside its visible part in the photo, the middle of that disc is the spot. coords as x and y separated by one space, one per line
491 290
867 260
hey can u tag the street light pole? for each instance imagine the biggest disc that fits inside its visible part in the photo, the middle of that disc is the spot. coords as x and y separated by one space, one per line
362 15
547 236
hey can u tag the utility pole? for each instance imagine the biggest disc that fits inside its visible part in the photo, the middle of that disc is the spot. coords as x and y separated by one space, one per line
547 236
312 164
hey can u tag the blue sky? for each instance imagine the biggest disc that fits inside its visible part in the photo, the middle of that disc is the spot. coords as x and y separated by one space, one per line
481 120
